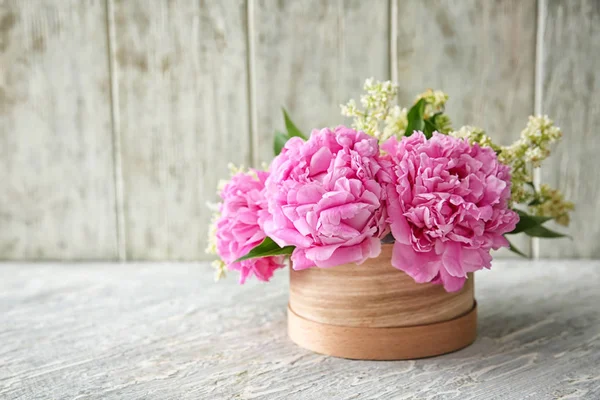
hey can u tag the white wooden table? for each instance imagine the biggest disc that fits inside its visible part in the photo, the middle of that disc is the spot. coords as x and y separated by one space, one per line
167 331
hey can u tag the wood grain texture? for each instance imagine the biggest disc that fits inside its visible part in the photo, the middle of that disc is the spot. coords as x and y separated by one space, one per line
384 344
482 53
571 87
373 294
183 116
166 331
310 57
57 196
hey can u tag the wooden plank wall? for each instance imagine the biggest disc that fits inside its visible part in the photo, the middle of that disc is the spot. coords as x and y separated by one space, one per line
117 118
570 85
311 56
182 100
57 196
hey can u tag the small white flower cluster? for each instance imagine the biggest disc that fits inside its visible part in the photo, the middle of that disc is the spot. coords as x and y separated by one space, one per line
435 101
474 135
444 125
551 203
529 151
211 247
382 118
536 139
395 123
376 118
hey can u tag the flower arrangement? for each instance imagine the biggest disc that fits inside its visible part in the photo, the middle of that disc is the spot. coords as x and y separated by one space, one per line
444 197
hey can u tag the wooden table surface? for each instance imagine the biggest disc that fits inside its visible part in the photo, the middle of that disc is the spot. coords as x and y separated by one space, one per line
167 331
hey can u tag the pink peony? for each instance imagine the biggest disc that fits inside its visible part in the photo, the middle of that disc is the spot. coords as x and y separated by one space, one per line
325 197
238 231
447 206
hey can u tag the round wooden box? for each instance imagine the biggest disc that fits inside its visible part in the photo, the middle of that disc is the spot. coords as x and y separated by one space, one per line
375 312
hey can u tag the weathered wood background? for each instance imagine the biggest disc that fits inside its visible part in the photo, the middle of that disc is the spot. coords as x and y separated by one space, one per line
117 118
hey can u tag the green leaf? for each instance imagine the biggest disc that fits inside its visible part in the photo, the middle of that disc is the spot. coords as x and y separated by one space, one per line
431 125
527 221
515 250
292 129
540 220
429 128
543 232
266 249
415 118
279 141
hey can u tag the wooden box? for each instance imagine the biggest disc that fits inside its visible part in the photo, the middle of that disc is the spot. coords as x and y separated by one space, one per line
373 311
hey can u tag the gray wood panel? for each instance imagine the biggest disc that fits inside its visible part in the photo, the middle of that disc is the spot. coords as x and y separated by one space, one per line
56 167
571 96
184 105
310 57
166 331
182 116
482 53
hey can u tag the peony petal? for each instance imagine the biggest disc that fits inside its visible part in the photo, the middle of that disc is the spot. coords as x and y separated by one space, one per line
334 198
422 267
354 254
400 229
299 260
473 259
320 161
334 215
372 247
499 241
321 253
359 220
451 283
289 237
452 258
341 231
309 194
302 226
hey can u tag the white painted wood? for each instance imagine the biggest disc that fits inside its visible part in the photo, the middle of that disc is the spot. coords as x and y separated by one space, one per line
56 169
117 153
482 53
538 93
167 331
183 106
310 57
183 116
571 87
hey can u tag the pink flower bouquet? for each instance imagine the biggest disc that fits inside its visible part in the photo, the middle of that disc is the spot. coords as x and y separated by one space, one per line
445 198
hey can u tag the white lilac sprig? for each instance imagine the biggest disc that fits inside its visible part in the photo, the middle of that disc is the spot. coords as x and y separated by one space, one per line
211 248
395 122
435 102
378 116
382 117
551 202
